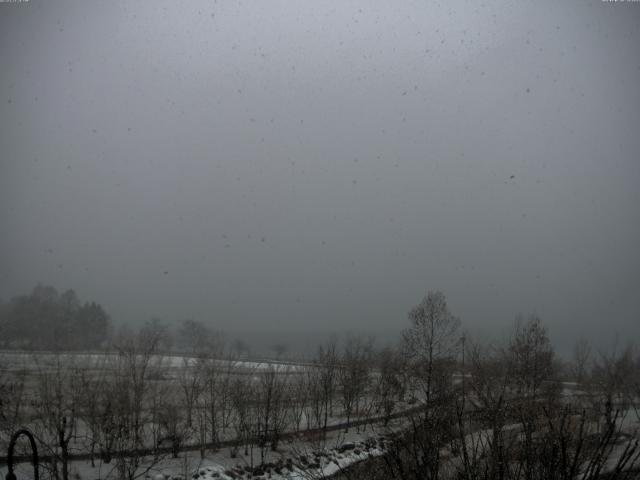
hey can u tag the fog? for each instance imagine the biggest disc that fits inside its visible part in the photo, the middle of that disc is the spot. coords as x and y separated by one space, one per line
317 166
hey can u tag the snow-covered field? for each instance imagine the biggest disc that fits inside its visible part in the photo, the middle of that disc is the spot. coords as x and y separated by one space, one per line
25 360
295 458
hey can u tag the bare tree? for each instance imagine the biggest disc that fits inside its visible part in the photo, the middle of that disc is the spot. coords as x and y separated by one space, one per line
430 346
195 337
314 408
531 356
57 409
190 381
580 361
213 396
298 398
12 398
243 400
134 401
611 387
270 408
327 364
389 386
212 399
484 408
174 430
353 375
94 402
430 343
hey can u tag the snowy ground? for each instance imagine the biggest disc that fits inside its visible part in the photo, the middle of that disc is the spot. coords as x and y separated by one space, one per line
294 460
297 460
21 360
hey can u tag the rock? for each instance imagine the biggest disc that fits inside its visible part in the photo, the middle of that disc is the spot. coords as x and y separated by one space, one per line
346 446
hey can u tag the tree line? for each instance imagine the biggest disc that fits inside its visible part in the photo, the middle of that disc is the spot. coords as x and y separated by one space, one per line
511 410
48 320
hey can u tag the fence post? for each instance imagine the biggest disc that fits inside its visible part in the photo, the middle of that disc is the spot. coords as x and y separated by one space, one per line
34 454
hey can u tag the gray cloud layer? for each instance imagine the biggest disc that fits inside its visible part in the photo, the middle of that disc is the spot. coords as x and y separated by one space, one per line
320 165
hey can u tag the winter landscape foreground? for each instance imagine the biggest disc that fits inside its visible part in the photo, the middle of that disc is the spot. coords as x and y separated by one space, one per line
438 405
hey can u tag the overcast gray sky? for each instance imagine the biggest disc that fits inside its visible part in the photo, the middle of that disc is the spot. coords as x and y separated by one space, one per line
319 165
